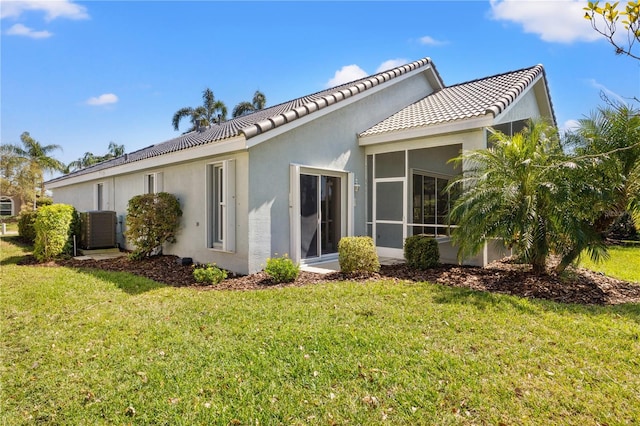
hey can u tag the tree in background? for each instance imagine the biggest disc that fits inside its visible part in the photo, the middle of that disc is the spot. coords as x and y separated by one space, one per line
258 102
610 136
89 158
25 166
606 19
208 113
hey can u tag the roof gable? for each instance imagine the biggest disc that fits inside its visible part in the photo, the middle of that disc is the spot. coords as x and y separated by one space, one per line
488 96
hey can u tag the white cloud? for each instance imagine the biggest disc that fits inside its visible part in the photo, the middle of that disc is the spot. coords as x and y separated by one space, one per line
346 74
554 21
391 63
52 9
430 41
606 91
105 99
21 30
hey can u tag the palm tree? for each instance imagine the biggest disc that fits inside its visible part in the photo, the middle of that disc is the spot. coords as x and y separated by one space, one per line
612 135
258 102
204 115
115 150
519 191
89 158
35 157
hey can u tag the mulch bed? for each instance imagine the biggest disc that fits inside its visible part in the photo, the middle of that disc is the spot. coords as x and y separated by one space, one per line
577 286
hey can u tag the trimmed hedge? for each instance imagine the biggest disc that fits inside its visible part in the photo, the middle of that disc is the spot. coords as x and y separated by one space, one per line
54 225
357 255
421 252
152 220
26 231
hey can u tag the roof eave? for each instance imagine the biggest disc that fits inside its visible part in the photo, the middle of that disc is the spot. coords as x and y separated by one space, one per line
428 131
238 143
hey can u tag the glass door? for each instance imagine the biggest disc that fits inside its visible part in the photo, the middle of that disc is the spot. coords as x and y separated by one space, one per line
320 215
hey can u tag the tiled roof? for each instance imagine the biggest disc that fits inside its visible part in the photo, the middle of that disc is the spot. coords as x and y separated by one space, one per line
490 95
260 121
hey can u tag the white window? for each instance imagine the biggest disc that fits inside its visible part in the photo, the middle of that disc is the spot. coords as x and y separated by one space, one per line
6 206
153 183
98 199
221 201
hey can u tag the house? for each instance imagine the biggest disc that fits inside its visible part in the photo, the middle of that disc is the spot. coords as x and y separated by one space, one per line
368 157
9 206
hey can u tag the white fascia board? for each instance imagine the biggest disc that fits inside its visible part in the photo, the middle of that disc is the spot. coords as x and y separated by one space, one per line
433 130
520 96
258 139
237 143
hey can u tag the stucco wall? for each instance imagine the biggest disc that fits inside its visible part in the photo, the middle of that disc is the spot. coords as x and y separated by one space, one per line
330 142
526 107
187 181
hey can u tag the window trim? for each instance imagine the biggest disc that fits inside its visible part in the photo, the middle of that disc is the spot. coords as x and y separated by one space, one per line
221 210
7 200
99 191
153 182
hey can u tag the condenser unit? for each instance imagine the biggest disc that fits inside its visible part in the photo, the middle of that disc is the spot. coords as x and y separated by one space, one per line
97 229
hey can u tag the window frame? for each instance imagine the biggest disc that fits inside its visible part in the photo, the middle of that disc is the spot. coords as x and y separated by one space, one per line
6 201
437 189
220 205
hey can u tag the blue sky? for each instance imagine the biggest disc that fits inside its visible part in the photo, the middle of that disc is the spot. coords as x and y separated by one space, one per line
82 74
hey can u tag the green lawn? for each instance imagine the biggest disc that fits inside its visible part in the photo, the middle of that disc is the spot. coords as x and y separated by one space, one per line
623 263
109 348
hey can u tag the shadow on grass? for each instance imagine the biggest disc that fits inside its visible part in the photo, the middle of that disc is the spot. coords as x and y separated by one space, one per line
485 301
125 281
481 300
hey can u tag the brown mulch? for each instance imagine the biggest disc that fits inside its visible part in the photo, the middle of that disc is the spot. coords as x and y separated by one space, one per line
577 286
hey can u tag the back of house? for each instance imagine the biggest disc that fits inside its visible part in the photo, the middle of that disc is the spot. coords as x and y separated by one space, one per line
369 157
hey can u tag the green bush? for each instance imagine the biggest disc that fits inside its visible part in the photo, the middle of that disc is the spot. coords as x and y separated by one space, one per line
209 274
358 254
421 252
54 226
26 231
282 269
152 220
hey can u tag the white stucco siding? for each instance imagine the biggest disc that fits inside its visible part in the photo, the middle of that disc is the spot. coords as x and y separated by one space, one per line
327 142
187 181
524 108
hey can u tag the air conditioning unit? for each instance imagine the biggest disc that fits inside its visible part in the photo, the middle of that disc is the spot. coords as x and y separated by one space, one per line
97 229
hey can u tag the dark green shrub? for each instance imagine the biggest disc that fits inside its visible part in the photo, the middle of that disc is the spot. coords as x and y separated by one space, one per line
421 252
209 274
358 254
282 269
152 220
54 226
26 231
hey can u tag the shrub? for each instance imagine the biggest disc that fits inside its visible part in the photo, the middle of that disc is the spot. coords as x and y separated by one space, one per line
152 220
358 254
25 226
209 273
421 252
282 269
54 226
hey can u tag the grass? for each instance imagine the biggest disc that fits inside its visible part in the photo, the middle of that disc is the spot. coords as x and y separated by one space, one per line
90 347
623 263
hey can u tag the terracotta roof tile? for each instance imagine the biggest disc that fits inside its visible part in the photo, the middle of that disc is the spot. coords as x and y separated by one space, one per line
258 122
476 98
